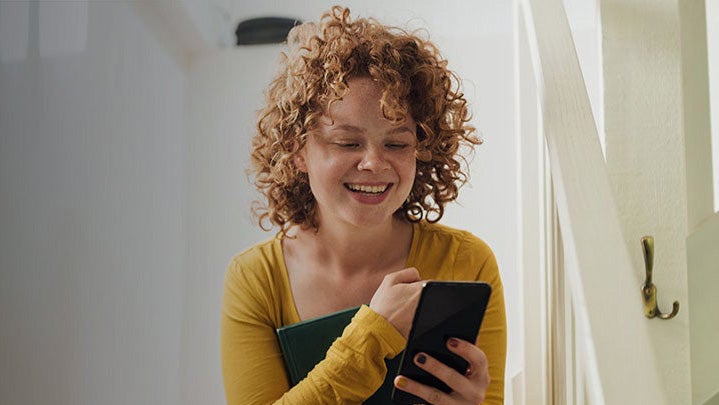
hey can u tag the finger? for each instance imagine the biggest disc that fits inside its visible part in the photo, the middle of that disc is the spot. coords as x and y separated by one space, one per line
408 275
430 394
478 368
456 381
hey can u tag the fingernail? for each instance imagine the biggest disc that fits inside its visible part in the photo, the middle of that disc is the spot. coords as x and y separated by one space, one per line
421 358
453 342
400 382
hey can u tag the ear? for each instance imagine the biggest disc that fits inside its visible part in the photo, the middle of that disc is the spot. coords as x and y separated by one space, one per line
299 161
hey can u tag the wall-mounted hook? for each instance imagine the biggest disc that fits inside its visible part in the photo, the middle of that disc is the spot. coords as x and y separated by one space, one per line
649 290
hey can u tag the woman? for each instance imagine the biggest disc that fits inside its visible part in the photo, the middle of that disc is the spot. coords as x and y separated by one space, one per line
356 153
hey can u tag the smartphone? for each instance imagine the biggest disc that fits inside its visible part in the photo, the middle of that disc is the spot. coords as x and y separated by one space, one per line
446 309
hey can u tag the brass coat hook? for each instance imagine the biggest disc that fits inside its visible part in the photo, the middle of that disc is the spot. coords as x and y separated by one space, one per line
649 290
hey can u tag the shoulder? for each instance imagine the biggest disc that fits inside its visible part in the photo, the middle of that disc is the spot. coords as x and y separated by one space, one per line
259 255
255 267
466 255
443 235
251 283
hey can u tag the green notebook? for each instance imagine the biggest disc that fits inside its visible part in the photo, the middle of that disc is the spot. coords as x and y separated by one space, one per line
305 344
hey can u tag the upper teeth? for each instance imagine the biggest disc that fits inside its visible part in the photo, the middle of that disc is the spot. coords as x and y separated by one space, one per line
368 189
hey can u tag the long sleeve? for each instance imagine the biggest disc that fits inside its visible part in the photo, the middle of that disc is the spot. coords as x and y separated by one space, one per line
252 363
492 337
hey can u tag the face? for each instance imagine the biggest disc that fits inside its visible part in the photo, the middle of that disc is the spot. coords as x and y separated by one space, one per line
361 167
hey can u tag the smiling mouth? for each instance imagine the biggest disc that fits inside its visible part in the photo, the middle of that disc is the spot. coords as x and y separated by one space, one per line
373 190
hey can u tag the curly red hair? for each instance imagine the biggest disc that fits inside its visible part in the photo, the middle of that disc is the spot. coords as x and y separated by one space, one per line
314 74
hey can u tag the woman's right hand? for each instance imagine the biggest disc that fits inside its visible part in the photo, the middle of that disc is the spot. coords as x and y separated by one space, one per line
396 298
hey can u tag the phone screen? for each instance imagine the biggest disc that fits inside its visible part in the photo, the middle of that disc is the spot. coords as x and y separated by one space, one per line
445 310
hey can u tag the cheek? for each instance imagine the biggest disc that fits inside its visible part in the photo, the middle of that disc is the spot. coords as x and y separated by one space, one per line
411 167
327 170
412 173
319 160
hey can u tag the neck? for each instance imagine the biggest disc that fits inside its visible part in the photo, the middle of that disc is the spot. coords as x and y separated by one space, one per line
351 250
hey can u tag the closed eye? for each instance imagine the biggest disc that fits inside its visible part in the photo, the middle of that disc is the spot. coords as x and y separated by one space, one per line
397 145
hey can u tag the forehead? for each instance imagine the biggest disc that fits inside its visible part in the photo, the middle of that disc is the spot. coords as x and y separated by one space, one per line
361 101
362 92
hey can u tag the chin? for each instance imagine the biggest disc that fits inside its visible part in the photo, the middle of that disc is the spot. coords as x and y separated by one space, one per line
372 219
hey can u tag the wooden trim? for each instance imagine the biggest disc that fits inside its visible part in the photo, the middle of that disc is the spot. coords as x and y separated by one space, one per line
695 94
562 386
703 277
531 163
714 400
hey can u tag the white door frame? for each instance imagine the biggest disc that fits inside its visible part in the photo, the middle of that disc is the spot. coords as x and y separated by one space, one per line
703 222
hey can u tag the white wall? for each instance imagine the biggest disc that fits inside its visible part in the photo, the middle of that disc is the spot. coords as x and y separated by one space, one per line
92 207
225 89
645 159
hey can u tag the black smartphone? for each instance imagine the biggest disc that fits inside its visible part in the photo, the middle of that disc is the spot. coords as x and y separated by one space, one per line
446 309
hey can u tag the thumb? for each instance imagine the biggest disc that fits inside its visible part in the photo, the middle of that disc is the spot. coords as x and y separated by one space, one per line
408 275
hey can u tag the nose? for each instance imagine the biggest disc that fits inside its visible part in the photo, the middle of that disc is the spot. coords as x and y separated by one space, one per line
373 159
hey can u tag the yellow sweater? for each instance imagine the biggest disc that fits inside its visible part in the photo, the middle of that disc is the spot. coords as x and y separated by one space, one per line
258 299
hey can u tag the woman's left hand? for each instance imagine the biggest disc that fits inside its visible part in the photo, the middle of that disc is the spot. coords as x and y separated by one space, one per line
468 388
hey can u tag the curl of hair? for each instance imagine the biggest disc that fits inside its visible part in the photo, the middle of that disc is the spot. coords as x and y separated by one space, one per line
314 73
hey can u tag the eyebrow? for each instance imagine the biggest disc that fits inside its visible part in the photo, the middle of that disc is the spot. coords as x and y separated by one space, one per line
403 128
348 128
352 128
